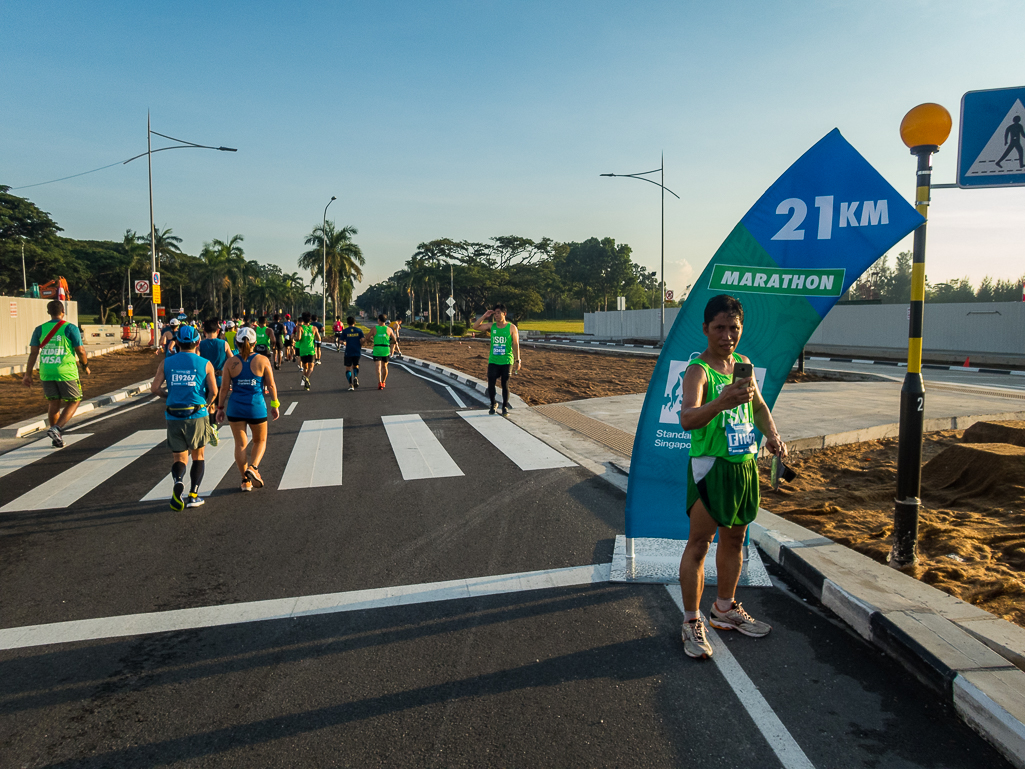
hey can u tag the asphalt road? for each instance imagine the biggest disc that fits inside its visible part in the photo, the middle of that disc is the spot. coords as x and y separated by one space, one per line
586 675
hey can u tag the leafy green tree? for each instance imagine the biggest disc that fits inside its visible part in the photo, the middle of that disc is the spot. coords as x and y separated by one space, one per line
345 260
22 224
167 244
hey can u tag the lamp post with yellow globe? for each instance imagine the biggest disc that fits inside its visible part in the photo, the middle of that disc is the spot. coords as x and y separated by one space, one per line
923 130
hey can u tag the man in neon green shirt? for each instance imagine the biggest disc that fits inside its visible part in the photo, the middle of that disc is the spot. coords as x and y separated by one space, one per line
505 350
60 343
721 412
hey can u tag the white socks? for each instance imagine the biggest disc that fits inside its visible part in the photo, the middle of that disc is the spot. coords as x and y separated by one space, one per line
723 606
690 616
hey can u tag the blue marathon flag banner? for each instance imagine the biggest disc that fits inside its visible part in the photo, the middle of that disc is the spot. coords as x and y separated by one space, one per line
788 261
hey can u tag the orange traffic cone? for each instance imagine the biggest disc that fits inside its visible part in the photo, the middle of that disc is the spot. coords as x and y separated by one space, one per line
966 363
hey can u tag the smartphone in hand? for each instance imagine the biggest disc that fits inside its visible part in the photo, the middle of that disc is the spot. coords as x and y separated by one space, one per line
742 370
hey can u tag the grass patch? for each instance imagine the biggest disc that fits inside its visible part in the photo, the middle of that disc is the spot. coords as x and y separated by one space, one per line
553 326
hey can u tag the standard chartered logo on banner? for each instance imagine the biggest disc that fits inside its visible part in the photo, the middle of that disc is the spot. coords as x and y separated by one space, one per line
764 280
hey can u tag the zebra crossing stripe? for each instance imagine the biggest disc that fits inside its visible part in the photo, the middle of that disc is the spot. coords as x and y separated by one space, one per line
26 455
75 482
219 459
316 458
525 451
417 451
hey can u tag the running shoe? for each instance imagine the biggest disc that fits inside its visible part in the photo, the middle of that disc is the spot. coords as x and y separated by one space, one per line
214 440
177 503
493 409
56 436
351 388
505 411
380 385
355 382
195 501
253 476
738 619
317 362
246 486
695 644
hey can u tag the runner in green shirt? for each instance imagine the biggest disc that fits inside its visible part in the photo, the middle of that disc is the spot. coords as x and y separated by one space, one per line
505 350
60 343
306 337
384 341
721 413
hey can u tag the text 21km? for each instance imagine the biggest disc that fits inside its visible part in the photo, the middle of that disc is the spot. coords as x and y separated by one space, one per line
873 212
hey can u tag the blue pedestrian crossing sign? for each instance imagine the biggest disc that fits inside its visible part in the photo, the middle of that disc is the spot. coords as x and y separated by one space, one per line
991 152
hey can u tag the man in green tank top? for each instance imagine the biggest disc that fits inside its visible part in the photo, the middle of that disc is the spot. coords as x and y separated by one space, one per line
306 337
60 343
384 340
721 412
505 350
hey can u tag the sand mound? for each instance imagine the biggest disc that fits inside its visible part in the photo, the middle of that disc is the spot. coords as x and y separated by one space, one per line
996 432
978 474
972 527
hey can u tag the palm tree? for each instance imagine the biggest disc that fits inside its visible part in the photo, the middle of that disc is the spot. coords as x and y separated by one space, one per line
344 260
229 255
166 243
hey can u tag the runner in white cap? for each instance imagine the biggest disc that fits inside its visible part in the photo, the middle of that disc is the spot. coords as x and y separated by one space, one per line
168 345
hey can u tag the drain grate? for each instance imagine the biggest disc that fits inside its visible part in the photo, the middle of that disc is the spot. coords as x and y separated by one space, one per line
618 440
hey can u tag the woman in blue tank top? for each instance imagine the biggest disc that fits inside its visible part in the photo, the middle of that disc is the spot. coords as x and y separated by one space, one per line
241 402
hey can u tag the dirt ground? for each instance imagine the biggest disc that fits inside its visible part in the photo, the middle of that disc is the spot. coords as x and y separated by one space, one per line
972 522
548 375
109 372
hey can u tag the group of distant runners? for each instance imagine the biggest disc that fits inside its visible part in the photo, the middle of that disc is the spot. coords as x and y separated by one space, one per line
227 374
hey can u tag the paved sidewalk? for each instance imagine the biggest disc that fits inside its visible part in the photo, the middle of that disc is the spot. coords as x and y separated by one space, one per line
15 364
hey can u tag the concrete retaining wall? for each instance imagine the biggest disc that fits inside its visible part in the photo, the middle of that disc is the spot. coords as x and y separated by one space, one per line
19 317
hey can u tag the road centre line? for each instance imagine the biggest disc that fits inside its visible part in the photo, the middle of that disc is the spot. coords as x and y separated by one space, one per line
456 398
301 606
775 733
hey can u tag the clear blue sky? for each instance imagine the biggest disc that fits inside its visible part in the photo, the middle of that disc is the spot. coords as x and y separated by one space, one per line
474 119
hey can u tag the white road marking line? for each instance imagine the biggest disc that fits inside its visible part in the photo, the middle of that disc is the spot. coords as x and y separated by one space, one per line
456 398
114 413
418 452
32 452
316 458
301 606
75 482
780 740
291 408
526 451
219 459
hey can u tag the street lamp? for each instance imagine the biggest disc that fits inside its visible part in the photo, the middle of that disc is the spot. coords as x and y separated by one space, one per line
923 130
181 145
662 170
323 232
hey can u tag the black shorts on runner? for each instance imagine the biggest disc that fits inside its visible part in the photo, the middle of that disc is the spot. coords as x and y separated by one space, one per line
248 421
352 360
307 358
385 358
316 343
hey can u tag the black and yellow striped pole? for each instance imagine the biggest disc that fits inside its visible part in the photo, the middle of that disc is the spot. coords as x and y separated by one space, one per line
923 130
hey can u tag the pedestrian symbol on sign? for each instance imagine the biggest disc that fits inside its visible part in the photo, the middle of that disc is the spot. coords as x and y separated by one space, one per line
991 150
1006 139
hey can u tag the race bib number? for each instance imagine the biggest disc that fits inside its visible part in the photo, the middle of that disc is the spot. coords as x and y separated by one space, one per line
740 438
498 348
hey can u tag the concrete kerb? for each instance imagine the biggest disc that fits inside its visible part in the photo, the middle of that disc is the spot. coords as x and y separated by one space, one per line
969 655
35 424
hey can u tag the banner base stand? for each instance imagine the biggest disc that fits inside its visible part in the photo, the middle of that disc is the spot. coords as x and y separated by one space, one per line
657 562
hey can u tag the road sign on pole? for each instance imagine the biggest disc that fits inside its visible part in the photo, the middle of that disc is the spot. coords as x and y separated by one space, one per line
156 278
450 302
141 286
156 293
991 147
450 312
669 295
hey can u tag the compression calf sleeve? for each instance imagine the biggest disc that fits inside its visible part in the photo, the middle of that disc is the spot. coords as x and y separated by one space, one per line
178 471
196 473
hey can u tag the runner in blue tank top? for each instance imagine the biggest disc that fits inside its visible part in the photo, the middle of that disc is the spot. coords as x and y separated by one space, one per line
216 350
245 377
191 389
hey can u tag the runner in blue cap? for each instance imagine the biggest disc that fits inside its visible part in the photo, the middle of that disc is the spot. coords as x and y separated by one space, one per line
191 390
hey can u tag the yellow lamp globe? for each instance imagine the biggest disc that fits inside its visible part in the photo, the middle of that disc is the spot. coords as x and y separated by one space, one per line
926 124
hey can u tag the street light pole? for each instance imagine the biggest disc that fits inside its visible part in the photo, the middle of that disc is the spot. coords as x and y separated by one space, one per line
181 145
323 232
923 130
661 184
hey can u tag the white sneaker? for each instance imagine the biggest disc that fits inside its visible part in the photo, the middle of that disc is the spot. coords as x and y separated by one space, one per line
695 643
195 501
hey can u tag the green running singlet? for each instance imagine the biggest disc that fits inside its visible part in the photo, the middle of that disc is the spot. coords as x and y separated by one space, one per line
501 345
305 345
711 440
382 343
57 362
